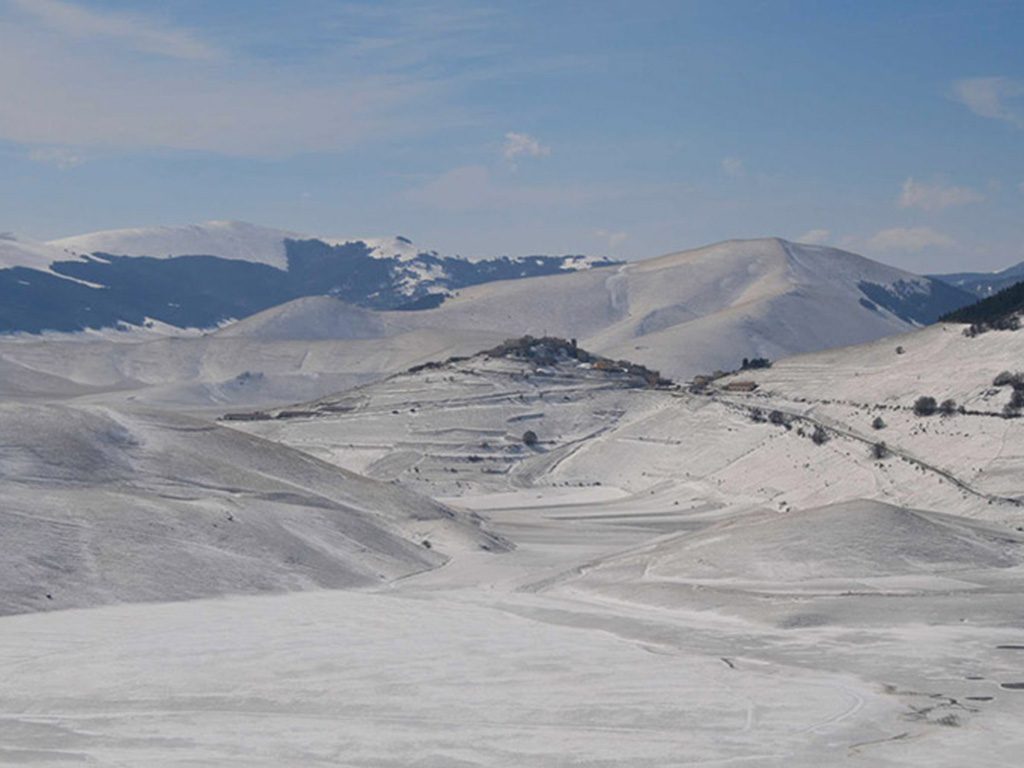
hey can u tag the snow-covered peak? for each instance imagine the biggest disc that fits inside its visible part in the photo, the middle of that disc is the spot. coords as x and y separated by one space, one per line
225 239
400 248
815 266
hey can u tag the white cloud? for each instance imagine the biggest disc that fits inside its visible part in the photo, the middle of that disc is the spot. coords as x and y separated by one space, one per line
72 75
522 145
815 236
936 195
133 32
912 239
613 239
733 166
59 157
56 95
996 98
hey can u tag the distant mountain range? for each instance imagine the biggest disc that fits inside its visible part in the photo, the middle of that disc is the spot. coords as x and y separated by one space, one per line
205 275
681 314
984 284
775 297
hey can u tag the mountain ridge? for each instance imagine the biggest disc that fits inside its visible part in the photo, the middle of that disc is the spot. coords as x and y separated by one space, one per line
201 276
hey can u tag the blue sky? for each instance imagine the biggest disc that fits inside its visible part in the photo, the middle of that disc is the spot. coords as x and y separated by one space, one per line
894 129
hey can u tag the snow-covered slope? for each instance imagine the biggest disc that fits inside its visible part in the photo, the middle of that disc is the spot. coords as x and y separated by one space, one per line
274 361
313 318
18 252
457 429
855 544
105 506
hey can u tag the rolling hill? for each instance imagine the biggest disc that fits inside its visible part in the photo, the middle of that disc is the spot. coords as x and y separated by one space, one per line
105 506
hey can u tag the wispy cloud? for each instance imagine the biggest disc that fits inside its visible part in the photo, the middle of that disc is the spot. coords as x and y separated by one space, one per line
910 239
997 98
815 236
132 31
63 158
936 196
522 145
733 166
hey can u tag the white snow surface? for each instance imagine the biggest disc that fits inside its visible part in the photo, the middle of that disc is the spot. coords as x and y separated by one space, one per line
690 583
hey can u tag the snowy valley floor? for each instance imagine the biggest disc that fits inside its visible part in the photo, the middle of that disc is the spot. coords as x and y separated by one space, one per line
498 660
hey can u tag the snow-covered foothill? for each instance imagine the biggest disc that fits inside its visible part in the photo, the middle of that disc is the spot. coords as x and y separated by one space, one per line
106 506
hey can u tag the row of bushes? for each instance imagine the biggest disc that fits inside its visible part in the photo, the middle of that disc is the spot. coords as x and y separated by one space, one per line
928 406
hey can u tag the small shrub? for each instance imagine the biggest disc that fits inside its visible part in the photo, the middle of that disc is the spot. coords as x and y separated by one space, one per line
948 407
880 451
900 350
778 418
819 436
530 438
878 423
757 415
925 406
754 363
1005 379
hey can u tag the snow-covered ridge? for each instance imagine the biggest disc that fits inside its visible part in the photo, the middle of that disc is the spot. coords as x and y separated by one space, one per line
225 239
250 242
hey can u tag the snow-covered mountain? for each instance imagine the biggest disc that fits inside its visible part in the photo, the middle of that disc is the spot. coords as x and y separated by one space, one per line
204 275
708 308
